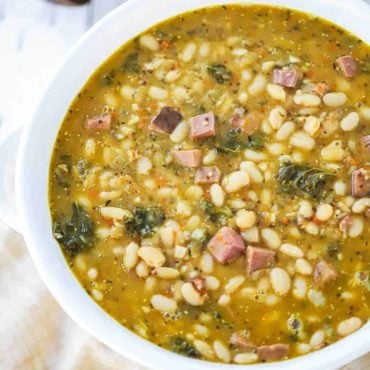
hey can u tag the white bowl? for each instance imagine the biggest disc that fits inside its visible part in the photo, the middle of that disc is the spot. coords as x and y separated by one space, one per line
37 142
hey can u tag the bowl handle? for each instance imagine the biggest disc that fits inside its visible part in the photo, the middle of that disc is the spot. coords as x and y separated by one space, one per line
8 154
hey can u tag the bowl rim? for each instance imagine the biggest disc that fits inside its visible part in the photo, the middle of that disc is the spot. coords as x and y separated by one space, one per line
32 202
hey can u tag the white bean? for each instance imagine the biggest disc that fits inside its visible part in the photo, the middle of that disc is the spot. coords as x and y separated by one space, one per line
276 92
234 284
204 349
276 117
349 326
245 219
221 351
210 157
280 281
130 256
191 295
167 273
245 358
144 165
361 205
158 93
180 132
258 85
153 257
217 195
187 54
307 100
271 238
302 141
149 42
302 266
254 155
334 99
114 213
206 263
254 173
299 287
224 300
356 228
305 209
350 121
324 212
163 303
291 250
311 125
317 339
251 235
235 181
316 298
212 283
285 131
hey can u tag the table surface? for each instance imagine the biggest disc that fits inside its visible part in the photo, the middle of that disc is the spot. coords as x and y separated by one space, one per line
34 36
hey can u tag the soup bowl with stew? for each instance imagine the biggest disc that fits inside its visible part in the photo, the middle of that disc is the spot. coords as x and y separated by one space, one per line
232 231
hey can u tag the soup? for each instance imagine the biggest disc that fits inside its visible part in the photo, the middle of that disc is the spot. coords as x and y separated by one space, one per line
210 184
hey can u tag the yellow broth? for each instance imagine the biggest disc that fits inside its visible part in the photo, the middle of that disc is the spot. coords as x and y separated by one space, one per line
129 166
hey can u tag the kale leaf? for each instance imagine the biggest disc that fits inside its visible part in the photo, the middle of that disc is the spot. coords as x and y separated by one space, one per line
183 347
219 72
217 215
75 234
233 143
131 63
303 180
144 220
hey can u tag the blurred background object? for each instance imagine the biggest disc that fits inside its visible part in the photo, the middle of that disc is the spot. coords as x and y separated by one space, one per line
69 2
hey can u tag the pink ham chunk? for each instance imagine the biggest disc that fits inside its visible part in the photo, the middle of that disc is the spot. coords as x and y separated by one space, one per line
259 258
166 121
347 65
227 245
187 158
273 352
285 77
207 175
199 284
202 126
324 273
361 183
366 142
345 223
101 122
248 123
241 341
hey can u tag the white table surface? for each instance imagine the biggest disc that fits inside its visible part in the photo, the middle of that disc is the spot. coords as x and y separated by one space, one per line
34 36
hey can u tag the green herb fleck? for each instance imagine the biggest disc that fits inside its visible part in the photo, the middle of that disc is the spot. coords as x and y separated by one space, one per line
217 215
219 72
183 347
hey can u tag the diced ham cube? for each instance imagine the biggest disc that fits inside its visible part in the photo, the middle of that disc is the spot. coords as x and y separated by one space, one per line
360 183
187 158
259 258
237 119
347 65
345 223
273 352
324 273
199 284
321 88
101 122
285 77
366 142
247 123
166 121
226 245
202 126
241 341
207 175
